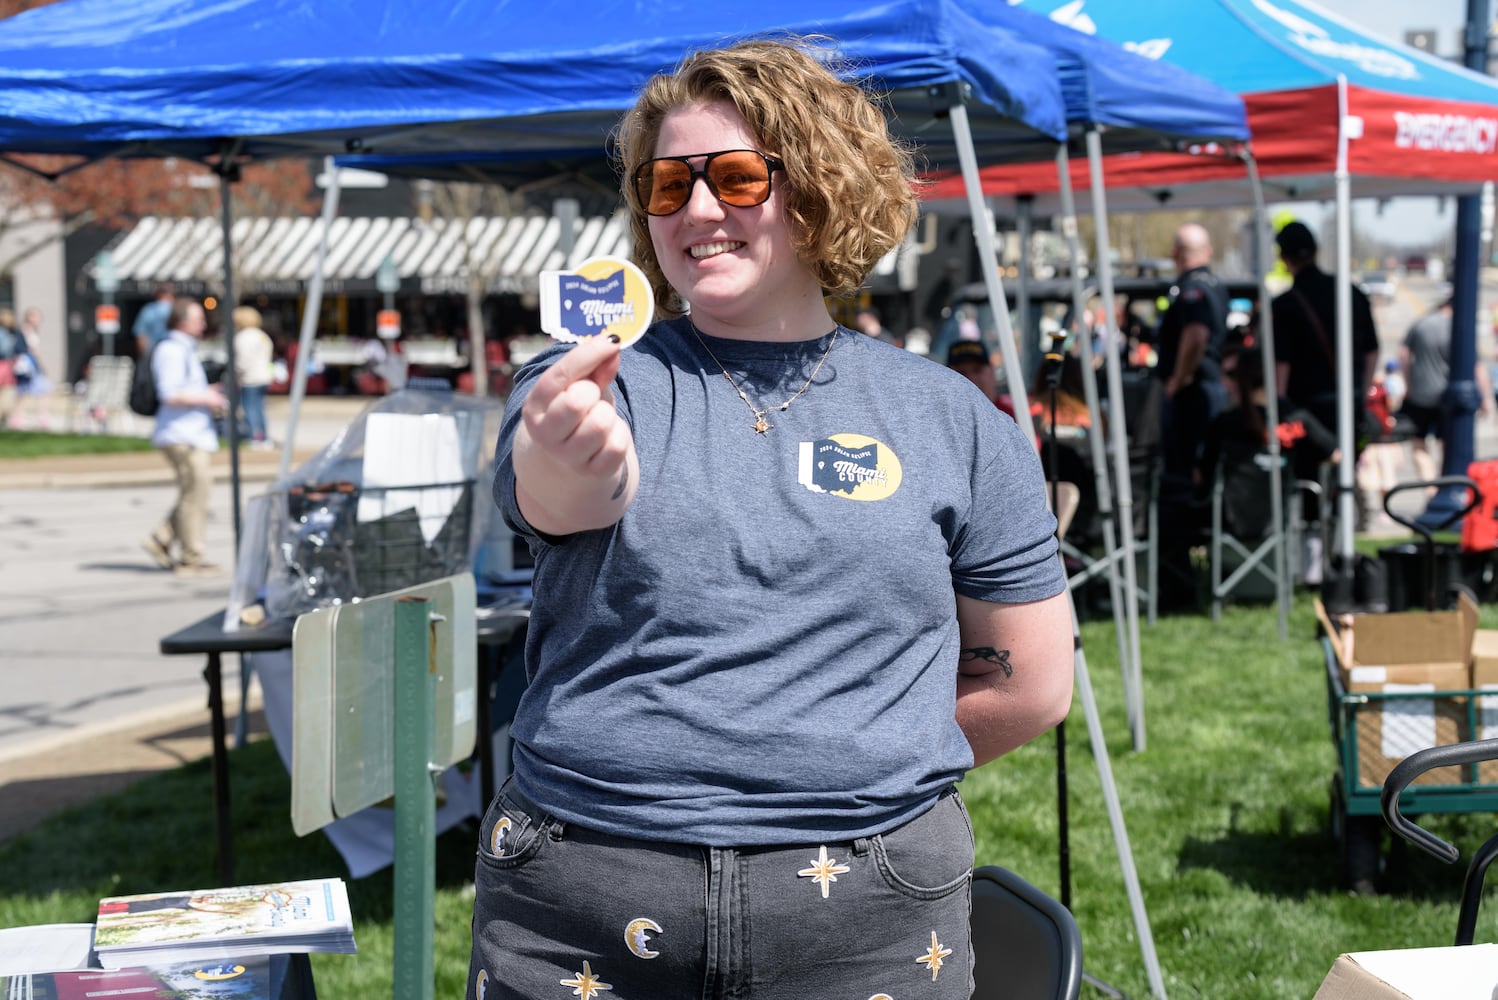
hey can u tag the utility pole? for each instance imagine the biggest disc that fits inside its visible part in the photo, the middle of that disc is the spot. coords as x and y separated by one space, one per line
1462 398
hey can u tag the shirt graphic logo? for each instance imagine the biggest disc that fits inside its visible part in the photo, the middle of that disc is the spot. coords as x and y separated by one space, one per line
851 466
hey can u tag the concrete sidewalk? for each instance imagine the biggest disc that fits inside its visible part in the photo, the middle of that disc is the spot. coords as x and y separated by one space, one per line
89 704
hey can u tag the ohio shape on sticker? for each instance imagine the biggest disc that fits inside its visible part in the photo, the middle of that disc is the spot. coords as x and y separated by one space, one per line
602 296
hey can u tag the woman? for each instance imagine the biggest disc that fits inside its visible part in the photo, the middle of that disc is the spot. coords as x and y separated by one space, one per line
791 583
254 358
32 384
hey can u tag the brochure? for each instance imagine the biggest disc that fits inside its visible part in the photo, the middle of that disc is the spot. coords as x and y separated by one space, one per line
259 977
163 928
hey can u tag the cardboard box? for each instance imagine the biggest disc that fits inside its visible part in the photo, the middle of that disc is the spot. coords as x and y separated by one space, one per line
1485 676
1405 652
1469 973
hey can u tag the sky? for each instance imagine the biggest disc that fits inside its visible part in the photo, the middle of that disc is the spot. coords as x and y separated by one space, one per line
1406 218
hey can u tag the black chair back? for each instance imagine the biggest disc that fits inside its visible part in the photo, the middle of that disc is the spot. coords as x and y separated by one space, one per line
1026 945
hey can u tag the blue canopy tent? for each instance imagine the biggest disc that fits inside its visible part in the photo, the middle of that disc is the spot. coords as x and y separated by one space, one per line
225 82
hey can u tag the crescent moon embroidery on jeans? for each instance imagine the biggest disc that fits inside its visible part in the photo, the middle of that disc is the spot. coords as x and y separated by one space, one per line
481 983
881 996
635 939
497 837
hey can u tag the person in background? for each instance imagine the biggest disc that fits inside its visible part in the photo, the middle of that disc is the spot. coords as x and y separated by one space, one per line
186 436
1305 325
254 359
151 326
12 346
868 322
971 360
1425 358
754 748
1192 334
32 384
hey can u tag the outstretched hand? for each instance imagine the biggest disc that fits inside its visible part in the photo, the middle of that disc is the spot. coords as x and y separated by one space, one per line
570 413
574 455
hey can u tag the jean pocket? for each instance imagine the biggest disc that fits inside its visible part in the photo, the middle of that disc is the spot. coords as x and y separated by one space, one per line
930 856
512 831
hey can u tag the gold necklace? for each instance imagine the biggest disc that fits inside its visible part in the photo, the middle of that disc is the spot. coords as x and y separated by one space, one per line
761 425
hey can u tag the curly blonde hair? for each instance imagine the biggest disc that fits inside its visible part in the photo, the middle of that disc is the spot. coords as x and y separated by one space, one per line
849 186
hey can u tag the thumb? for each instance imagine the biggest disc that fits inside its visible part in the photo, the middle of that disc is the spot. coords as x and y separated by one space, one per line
595 359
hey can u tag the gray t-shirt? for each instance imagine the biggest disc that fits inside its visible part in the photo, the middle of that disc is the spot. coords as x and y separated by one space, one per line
764 649
1429 343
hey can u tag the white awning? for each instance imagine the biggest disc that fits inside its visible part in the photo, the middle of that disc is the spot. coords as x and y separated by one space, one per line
278 255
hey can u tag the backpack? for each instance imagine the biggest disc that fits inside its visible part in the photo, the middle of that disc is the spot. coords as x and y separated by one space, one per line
143 398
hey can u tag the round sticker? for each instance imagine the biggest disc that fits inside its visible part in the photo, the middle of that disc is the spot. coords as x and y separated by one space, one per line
602 296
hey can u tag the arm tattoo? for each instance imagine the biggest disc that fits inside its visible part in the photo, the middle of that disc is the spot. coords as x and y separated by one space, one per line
623 482
998 657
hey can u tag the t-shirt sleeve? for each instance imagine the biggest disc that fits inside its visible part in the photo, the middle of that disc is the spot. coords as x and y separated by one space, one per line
1196 306
1005 549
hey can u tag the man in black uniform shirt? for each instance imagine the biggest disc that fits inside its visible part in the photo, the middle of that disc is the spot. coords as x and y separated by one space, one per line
1189 346
1305 331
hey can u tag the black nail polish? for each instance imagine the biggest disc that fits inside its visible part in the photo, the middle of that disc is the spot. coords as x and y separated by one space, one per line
614 337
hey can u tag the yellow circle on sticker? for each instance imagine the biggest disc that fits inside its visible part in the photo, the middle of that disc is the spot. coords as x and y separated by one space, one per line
602 296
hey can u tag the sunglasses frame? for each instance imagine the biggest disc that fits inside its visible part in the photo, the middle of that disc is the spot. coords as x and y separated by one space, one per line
771 165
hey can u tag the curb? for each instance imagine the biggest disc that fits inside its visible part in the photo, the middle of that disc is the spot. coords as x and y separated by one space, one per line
151 471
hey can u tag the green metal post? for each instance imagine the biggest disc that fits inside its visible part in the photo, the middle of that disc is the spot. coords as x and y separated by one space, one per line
415 800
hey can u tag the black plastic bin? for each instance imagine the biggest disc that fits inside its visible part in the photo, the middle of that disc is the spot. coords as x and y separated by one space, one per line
1404 566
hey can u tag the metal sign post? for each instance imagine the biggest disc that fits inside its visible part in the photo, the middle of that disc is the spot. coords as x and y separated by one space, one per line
384 700
415 797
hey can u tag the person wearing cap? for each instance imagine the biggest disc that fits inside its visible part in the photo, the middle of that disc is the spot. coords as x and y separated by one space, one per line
971 360
1305 325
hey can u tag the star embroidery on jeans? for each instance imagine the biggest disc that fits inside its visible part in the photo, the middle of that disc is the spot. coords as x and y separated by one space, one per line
585 984
933 957
824 870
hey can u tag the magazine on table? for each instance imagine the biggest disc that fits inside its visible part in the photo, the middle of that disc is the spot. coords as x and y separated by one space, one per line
161 928
254 977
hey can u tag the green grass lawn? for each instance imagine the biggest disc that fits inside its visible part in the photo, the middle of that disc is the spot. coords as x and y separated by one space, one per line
1226 811
45 444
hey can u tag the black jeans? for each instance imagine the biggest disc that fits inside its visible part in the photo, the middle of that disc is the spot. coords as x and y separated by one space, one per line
560 910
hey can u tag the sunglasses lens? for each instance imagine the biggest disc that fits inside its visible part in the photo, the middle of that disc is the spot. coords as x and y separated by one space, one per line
662 185
741 178
738 177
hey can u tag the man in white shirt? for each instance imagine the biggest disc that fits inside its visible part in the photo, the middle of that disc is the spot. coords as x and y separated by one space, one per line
186 435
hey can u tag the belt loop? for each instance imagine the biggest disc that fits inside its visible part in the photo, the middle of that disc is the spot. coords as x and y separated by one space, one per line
555 829
861 847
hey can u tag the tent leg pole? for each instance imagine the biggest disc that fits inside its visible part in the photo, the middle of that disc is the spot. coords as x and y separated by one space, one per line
988 258
1116 429
231 378
1271 398
1346 514
310 313
1095 438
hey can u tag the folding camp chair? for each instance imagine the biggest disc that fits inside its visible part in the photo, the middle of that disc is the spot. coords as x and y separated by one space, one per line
1025 944
104 398
1243 529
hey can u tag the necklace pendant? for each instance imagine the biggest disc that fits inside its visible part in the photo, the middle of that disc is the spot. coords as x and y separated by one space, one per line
761 425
